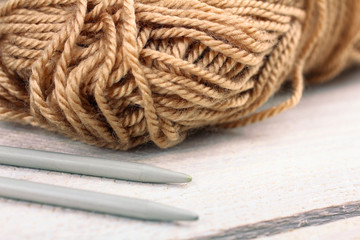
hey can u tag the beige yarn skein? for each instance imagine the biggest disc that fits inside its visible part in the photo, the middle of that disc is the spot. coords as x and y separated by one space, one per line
119 73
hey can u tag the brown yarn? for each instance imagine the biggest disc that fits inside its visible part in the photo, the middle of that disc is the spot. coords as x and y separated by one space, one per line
118 73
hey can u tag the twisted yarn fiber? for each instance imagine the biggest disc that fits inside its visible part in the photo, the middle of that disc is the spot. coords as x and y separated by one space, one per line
118 73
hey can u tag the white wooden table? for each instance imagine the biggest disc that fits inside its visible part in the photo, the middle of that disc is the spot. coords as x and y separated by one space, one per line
294 176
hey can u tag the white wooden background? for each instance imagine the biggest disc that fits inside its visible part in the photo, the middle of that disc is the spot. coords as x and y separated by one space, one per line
303 159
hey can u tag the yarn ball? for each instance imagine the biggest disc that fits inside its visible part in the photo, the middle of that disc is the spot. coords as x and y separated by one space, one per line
119 73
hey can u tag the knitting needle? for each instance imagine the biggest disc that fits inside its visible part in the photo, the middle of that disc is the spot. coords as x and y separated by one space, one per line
91 201
88 166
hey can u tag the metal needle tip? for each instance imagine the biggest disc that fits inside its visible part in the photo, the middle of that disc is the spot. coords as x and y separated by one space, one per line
189 179
160 175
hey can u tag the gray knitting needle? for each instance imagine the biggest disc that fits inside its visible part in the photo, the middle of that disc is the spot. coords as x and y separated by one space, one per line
88 166
91 201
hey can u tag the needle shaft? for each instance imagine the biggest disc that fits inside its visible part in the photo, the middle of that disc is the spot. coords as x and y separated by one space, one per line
91 201
88 166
